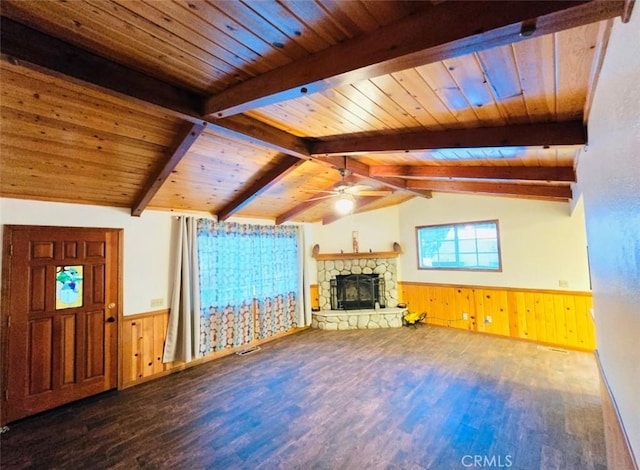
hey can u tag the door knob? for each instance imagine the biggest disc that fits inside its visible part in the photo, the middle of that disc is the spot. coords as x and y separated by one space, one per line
110 320
111 306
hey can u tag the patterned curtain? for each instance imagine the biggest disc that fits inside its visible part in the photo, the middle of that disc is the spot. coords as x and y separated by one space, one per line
246 269
276 282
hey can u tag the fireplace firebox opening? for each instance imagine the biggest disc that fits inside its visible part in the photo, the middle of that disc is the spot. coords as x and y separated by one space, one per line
357 291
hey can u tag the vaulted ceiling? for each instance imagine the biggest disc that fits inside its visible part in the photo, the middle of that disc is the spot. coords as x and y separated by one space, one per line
250 108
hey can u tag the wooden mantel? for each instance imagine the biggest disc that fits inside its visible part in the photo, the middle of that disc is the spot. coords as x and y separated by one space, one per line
358 255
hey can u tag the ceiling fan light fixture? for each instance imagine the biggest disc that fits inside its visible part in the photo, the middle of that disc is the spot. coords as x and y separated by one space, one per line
344 204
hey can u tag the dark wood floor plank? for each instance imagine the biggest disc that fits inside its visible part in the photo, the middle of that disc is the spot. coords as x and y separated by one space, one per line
398 398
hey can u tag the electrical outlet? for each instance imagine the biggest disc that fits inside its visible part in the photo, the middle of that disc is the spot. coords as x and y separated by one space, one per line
488 319
159 302
563 283
465 316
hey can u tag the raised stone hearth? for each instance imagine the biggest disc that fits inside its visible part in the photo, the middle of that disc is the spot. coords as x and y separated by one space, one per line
358 319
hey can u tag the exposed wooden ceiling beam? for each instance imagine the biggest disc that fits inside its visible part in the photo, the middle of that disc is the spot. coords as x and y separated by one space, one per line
285 166
363 170
354 166
23 44
402 185
187 136
41 51
357 168
514 189
259 133
436 34
523 135
604 32
360 203
537 173
29 47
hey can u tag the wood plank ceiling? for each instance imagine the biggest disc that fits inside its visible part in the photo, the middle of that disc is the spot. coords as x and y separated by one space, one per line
250 107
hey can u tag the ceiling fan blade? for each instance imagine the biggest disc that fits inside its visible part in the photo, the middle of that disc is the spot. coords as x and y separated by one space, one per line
381 192
355 188
320 197
316 191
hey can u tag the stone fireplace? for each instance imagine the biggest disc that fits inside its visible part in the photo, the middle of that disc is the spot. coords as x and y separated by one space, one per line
369 294
385 268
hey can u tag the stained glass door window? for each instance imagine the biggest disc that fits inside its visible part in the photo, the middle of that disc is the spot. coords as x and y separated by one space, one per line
68 287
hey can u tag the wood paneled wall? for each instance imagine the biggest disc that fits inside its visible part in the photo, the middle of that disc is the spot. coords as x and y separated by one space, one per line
558 318
551 317
313 293
141 346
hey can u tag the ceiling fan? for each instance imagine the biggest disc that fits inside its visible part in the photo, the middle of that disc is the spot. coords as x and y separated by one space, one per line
346 191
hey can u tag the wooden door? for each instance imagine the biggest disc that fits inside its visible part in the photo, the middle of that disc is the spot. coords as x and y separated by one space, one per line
60 310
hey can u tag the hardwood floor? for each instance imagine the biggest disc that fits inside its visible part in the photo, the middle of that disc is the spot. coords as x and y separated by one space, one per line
402 398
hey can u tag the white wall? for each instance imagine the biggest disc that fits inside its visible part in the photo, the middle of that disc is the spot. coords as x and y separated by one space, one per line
609 174
541 242
377 230
147 242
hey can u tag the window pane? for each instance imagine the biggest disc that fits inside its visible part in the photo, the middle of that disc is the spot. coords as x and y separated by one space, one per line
448 247
469 260
467 246
488 246
443 233
447 258
470 245
489 260
467 232
426 262
486 231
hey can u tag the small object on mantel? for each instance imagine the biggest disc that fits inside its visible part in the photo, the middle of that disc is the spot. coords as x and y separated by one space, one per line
396 247
316 249
370 250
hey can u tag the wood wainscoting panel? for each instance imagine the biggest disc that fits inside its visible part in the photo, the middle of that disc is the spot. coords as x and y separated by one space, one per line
559 318
313 293
142 345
